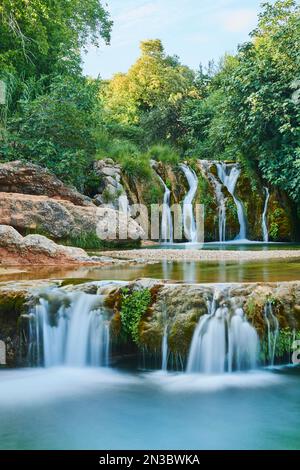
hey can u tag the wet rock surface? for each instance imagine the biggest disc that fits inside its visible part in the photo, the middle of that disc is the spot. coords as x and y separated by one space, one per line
178 306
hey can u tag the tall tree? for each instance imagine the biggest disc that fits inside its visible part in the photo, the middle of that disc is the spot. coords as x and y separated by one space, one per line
39 37
155 81
261 96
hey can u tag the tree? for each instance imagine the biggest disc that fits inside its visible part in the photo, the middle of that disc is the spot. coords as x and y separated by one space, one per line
250 109
259 92
57 129
156 82
39 37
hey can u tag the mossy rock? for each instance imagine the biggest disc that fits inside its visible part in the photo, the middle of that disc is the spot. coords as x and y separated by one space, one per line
250 192
206 196
75 282
181 334
279 221
282 302
12 306
180 310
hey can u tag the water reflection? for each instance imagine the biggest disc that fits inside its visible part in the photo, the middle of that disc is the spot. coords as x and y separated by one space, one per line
187 271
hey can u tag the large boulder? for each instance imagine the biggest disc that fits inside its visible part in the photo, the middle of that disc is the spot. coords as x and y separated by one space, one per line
61 219
27 178
36 249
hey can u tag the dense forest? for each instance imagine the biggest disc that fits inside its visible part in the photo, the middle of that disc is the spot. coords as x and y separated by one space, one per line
244 108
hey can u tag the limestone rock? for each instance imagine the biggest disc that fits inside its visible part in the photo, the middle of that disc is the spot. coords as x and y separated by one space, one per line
110 187
60 218
36 249
27 178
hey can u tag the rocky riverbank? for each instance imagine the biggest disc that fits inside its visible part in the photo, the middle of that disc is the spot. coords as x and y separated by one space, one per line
157 255
16 250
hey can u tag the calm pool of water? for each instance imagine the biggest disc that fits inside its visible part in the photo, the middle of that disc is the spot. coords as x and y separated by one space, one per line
105 409
195 271
233 246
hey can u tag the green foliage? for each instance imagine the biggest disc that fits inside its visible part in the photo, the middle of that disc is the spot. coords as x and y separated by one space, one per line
276 217
273 230
154 81
55 129
260 104
133 306
283 348
137 168
204 196
86 241
153 193
164 154
108 196
246 108
39 37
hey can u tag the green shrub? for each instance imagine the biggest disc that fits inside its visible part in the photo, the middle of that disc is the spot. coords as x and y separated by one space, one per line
133 306
86 241
137 168
164 154
153 193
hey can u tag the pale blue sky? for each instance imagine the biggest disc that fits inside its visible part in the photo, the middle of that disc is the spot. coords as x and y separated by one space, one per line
196 30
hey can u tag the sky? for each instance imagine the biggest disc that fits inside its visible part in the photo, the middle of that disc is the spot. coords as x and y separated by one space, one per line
196 30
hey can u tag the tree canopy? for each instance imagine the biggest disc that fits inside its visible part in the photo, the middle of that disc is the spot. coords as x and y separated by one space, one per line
244 108
45 36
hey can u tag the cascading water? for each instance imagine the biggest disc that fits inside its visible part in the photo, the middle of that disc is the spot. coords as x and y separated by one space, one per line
229 175
69 329
265 232
124 204
164 349
221 199
272 331
189 223
166 218
223 341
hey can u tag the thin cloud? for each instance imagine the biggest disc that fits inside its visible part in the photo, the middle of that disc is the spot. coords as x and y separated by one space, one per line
134 15
238 21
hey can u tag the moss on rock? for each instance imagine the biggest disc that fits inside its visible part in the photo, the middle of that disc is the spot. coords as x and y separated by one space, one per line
12 306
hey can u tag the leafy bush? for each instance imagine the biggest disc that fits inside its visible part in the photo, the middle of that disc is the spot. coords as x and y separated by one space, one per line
86 241
153 193
164 154
56 128
133 306
137 168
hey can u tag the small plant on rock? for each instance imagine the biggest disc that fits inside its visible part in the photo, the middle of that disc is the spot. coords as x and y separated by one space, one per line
133 306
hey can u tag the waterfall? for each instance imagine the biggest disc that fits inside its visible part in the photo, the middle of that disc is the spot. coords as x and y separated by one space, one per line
264 217
272 331
221 199
69 329
190 228
223 341
124 204
164 349
229 175
166 218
